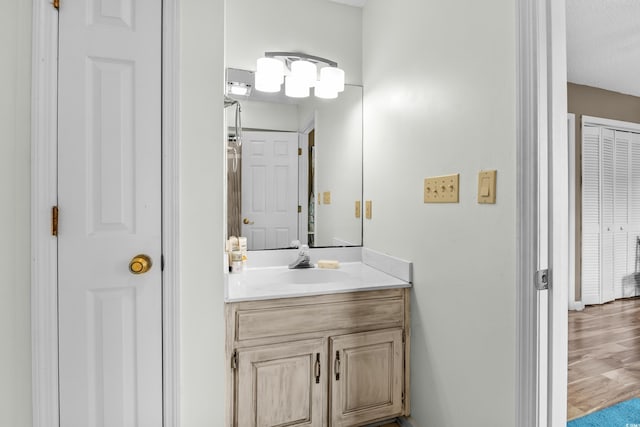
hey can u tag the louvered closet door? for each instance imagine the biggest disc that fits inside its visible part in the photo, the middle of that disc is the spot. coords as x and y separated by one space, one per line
608 207
608 218
591 228
630 286
621 211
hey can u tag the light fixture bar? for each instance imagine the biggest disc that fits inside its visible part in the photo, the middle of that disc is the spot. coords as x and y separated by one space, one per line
292 56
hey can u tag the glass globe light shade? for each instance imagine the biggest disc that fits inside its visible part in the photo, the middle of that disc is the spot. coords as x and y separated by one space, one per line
272 69
333 76
325 90
265 84
295 88
305 71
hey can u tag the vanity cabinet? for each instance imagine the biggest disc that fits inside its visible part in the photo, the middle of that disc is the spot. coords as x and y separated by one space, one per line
336 360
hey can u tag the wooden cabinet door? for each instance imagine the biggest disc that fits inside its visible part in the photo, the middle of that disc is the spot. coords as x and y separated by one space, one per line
366 377
282 385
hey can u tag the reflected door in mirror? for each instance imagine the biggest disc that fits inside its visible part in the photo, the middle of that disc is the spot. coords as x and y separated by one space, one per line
269 189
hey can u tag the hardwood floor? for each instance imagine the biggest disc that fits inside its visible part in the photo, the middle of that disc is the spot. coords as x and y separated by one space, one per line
604 356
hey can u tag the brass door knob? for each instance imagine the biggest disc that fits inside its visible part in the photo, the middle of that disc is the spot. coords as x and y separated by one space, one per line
247 222
140 264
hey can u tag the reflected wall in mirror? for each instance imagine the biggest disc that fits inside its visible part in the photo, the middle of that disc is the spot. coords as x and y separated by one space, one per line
297 174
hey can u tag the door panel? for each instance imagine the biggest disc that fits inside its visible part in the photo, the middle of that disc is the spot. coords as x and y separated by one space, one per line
608 204
591 216
366 377
278 385
109 195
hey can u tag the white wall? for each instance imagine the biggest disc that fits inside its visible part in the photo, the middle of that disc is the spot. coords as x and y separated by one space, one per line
15 256
265 116
202 213
439 80
315 27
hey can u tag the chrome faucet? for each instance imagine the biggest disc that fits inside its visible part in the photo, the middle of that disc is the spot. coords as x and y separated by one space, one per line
303 260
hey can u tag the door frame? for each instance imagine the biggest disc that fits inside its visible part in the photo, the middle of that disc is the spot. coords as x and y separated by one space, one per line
44 254
541 203
574 257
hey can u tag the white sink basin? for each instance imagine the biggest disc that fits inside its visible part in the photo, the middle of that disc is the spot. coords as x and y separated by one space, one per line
310 276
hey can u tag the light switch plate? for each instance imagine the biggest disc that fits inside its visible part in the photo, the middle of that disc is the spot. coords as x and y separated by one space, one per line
367 209
487 187
358 209
442 189
326 197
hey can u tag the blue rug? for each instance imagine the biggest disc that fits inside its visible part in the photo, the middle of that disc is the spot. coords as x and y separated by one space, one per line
624 414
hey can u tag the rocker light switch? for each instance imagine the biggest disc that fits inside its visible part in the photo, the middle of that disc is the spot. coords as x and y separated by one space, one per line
487 187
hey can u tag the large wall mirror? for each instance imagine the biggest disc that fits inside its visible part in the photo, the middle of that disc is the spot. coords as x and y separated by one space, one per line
296 175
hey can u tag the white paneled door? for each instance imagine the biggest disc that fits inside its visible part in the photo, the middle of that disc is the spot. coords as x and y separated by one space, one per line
109 196
270 189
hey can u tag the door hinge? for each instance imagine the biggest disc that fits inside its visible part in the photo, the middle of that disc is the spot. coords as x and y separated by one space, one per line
404 337
299 209
162 262
299 151
543 280
403 398
56 4
54 221
234 360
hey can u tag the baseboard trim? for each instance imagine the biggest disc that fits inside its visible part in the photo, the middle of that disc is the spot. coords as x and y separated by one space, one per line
401 421
406 422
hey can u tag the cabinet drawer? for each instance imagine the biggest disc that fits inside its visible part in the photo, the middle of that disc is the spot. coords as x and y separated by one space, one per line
303 319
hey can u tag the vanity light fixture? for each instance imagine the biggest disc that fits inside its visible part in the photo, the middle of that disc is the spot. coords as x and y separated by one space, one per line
299 73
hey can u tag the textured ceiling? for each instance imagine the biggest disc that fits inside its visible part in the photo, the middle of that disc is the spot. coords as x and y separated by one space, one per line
603 44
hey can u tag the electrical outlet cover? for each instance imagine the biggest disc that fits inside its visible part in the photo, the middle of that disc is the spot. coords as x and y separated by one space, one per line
326 197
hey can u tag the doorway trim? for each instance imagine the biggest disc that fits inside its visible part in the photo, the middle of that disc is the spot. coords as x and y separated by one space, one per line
541 384
44 250
527 95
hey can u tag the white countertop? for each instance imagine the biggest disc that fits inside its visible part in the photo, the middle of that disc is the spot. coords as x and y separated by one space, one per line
280 282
